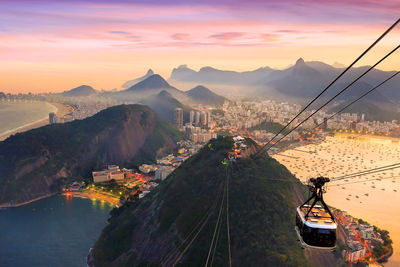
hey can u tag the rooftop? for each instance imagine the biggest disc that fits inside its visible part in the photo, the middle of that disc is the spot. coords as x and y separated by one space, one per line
317 217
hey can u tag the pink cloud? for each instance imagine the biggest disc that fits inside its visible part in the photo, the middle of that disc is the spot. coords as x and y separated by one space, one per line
227 35
180 36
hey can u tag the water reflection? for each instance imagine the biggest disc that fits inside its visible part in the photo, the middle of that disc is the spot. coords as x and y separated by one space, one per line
374 197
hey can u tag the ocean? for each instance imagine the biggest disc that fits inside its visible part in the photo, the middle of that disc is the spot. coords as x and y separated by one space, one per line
55 231
17 114
375 201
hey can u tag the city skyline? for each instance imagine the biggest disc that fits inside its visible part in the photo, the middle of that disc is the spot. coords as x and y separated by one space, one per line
58 46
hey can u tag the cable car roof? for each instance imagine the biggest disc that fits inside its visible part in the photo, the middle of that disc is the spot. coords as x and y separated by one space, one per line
317 218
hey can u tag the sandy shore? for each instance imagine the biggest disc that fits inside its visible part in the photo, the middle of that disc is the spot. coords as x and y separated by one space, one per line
97 196
61 111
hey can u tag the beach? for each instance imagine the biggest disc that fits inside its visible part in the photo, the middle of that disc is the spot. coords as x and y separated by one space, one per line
96 196
60 110
372 197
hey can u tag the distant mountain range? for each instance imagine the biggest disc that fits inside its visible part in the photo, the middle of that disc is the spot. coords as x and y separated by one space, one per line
301 82
130 83
209 75
158 228
83 90
37 162
154 84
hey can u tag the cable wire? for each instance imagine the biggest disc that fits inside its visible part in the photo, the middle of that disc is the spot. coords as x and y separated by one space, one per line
357 99
369 180
216 227
337 78
227 220
332 98
371 171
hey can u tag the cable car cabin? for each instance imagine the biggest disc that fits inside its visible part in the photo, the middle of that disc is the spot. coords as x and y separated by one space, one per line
318 231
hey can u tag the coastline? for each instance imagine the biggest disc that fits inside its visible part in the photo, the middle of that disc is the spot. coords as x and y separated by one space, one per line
84 194
366 208
60 110
6 206
96 196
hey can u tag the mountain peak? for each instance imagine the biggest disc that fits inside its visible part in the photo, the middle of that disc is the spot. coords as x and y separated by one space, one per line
83 90
300 61
154 81
203 95
164 93
135 81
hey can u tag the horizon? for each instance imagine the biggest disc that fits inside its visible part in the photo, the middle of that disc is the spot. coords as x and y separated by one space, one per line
59 46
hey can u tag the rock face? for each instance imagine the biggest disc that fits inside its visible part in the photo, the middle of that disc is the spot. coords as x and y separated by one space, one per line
34 163
130 83
83 90
156 229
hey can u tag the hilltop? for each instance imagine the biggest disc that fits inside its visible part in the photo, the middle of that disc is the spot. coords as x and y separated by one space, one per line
83 90
154 81
130 83
35 163
164 104
146 90
204 96
261 210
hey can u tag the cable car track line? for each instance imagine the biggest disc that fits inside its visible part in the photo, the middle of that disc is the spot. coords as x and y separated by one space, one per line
337 78
204 220
354 101
375 179
339 93
370 171
216 226
227 220
354 176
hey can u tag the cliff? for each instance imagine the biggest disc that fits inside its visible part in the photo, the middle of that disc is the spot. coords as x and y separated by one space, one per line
34 163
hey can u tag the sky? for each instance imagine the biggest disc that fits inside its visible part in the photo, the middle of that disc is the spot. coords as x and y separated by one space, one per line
52 46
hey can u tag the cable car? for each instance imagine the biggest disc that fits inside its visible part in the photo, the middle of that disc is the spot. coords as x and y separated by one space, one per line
315 224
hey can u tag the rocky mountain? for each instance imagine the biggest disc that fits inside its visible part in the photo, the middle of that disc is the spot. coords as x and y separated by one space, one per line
204 96
164 104
130 83
83 90
35 163
209 75
150 86
153 82
156 229
300 82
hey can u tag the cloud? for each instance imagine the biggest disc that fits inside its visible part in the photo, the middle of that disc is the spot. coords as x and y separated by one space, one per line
227 35
120 32
288 31
180 36
270 37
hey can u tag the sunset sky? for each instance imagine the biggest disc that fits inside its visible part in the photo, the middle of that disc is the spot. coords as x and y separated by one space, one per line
48 45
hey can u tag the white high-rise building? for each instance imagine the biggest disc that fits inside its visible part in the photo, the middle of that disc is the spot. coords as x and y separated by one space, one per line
178 118
192 115
197 118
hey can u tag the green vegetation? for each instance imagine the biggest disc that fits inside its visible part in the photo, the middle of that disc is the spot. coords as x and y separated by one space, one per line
261 215
381 250
32 163
270 126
